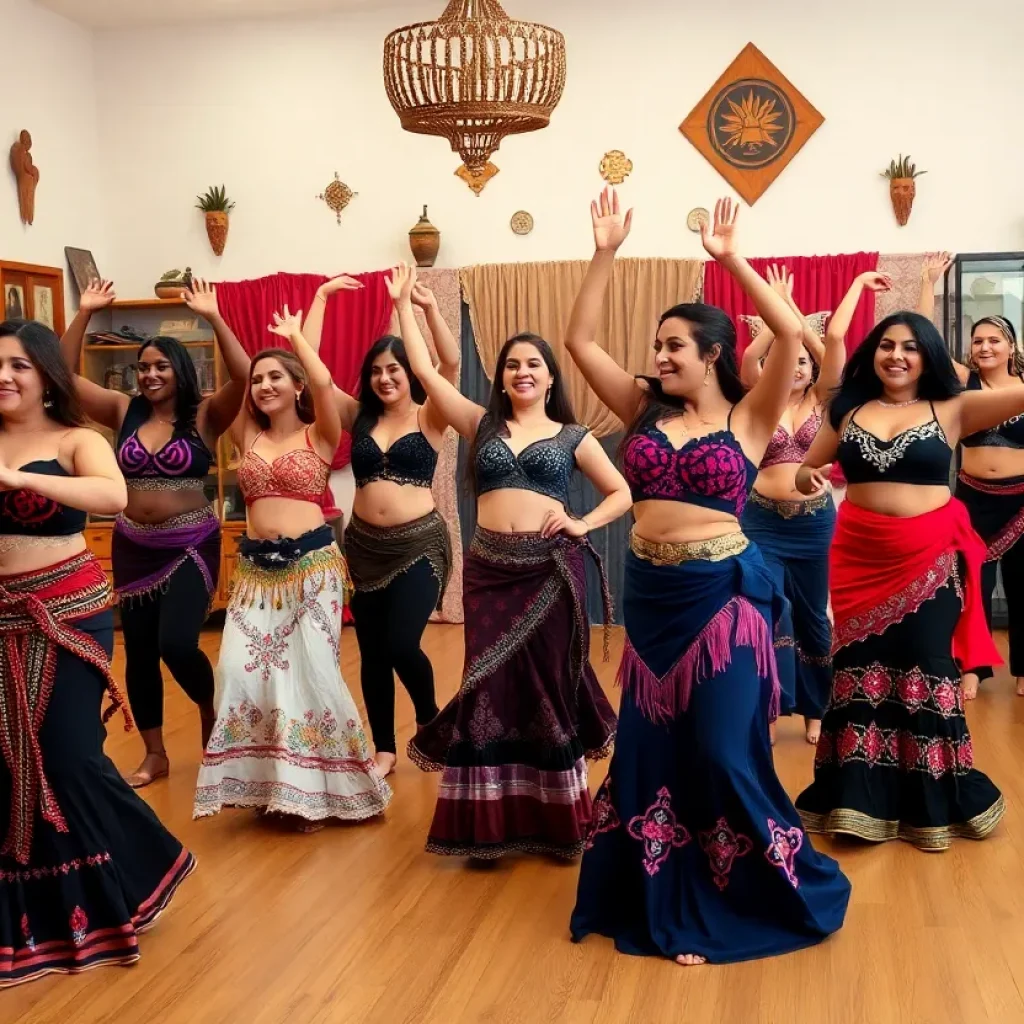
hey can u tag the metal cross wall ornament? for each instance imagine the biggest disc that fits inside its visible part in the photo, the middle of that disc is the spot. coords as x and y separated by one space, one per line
337 195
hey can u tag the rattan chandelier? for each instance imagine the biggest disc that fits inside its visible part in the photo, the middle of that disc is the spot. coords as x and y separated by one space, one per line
473 77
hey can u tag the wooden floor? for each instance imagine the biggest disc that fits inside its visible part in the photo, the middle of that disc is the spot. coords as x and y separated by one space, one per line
359 924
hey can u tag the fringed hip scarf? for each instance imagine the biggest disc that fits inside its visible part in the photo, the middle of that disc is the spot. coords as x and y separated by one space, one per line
282 571
996 508
37 610
377 555
687 607
146 555
791 509
882 568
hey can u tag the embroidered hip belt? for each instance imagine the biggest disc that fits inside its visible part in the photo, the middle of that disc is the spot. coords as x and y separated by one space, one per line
717 549
37 610
182 531
166 483
278 570
285 551
1008 486
791 509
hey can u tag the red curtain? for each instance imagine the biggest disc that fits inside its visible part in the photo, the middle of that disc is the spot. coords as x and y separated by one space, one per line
820 282
354 321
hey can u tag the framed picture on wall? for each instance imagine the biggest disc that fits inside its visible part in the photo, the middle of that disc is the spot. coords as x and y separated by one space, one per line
83 267
33 292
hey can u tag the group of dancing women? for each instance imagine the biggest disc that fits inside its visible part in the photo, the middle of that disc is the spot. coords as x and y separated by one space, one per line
691 849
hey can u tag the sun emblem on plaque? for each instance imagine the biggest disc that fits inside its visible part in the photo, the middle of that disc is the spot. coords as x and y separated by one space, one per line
337 196
751 123
615 167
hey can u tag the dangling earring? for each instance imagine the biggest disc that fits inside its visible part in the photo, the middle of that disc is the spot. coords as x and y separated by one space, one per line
707 374
47 400
547 397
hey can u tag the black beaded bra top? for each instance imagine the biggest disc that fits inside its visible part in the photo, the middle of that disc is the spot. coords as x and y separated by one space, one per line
918 455
545 466
409 460
1009 434
28 514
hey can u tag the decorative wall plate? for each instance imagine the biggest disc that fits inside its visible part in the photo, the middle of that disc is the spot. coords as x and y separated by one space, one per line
751 123
615 167
337 195
522 222
476 180
696 217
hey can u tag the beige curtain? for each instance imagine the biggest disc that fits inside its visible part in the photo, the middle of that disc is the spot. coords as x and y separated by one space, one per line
508 298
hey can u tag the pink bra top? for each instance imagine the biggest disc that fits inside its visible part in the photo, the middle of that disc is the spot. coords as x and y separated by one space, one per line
786 448
710 471
300 474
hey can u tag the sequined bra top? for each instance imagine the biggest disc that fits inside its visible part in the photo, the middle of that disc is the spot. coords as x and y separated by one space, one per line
543 466
28 514
918 455
181 464
785 448
710 471
409 460
1009 434
300 474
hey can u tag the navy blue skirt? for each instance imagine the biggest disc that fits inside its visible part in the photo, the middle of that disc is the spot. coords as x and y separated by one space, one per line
695 848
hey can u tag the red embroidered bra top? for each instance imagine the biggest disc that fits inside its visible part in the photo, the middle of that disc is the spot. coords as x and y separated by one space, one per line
785 447
300 474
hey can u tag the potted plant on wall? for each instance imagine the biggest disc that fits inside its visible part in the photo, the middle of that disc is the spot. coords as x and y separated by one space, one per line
216 206
902 187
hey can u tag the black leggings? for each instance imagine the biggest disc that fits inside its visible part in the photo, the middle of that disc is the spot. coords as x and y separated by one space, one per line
166 625
389 627
1013 584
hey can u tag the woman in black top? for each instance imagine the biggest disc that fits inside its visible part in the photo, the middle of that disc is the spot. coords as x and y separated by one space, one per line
514 741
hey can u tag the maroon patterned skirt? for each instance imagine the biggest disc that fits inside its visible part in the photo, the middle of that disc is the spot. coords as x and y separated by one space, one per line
514 742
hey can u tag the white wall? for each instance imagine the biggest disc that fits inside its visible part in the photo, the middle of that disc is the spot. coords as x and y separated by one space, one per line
49 88
272 109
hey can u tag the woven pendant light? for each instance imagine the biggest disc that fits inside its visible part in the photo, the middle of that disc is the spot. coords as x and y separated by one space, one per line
473 77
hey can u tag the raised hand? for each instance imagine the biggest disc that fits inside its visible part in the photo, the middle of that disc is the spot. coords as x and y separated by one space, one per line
286 324
611 228
401 282
98 295
875 281
423 297
935 266
341 283
781 280
201 298
719 238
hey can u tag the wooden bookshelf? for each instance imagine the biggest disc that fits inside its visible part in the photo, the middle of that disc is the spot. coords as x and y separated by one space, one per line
105 363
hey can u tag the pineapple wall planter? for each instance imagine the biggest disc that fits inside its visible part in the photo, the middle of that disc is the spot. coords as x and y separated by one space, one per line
902 187
216 207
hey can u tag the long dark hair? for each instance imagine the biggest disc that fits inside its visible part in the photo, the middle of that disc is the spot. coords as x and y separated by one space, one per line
42 346
371 408
860 383
189 395
557 405
711 327
290 362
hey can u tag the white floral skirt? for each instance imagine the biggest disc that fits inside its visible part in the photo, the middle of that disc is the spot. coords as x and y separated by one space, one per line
288 737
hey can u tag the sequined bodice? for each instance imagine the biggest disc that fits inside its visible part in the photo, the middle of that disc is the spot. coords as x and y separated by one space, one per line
918 455
785 448
300 474
1009 434
543 466
710 471
409 460
29 514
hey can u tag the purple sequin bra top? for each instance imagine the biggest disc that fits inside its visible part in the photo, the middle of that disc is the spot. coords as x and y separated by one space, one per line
181 464
709 471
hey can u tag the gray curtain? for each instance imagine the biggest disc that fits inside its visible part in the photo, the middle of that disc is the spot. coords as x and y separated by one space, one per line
609 542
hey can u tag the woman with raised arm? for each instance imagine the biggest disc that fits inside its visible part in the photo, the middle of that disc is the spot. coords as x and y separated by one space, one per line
287 740
85 865
695 851
166 545
794 532
895 759
991 482
396 544
514 742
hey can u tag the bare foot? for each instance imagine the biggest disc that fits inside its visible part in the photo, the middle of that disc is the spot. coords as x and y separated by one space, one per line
813 730
1020 686
690 960
154 766
969 684
771 732
384 763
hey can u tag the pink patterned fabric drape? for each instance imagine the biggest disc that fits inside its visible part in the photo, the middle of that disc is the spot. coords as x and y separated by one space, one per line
445 286
819 283
905 271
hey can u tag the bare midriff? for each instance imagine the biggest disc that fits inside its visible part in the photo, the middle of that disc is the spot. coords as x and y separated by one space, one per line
779 483
277 518
511 510
27 554
386 503
993 463
675 522
159 506
899 500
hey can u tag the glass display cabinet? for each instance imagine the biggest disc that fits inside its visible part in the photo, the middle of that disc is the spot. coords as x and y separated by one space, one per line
978 285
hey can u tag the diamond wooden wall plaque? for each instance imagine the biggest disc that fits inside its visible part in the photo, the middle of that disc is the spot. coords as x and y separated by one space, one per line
751 123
